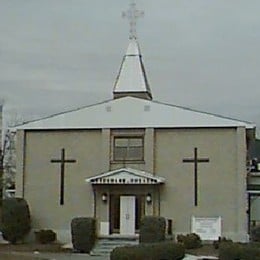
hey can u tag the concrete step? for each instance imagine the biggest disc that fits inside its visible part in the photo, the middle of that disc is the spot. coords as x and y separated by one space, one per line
104 246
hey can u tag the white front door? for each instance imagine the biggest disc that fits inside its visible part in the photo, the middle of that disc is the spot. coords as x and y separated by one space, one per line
127 215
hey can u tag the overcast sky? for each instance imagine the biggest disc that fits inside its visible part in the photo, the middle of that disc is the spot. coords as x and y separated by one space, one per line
61 54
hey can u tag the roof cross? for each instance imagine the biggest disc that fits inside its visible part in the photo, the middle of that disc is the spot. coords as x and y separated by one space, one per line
132 14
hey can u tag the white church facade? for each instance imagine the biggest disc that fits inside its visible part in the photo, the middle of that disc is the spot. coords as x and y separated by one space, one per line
132 156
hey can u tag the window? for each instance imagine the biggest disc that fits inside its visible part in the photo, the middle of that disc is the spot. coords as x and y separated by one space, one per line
128 149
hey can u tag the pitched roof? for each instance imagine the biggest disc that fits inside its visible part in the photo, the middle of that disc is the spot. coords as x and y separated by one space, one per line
131 112
132 79
126 176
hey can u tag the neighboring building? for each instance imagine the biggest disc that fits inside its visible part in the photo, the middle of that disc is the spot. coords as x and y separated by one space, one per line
254 185
255 153
1 151
1 125
132 156
1 128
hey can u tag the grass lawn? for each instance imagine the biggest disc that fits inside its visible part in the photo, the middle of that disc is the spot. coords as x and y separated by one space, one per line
205 250
31 247
7 249
11 252
16 257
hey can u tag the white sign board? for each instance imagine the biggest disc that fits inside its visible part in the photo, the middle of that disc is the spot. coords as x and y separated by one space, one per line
208 228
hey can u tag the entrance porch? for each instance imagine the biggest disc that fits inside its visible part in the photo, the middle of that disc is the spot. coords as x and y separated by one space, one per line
122 197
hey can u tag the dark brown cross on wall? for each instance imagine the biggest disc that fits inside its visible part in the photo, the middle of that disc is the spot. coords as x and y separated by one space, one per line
62 162
195 160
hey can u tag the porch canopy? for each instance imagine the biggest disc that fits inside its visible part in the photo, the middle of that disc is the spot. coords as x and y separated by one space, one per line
126 176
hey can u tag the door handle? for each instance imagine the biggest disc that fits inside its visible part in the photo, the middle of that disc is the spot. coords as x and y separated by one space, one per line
127 216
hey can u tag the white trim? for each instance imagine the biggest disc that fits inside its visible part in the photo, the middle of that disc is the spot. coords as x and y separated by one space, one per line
254 174
253 191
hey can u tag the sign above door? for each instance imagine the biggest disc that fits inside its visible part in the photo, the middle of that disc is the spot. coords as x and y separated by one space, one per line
126 176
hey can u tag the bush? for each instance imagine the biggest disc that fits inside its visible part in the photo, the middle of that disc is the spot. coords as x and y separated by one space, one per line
190 241
216 243
152 229
16 222
129 253
45 236
151 251
235 251
83 234
255 234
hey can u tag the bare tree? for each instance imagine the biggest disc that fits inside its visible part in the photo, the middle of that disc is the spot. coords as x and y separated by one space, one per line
9 161
8 154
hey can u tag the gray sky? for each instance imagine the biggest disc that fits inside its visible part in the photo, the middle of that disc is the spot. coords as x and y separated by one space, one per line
60 54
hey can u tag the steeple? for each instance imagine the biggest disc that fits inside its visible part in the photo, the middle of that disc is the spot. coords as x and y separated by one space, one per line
131 79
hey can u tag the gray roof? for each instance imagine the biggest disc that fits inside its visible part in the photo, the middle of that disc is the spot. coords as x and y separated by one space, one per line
131 112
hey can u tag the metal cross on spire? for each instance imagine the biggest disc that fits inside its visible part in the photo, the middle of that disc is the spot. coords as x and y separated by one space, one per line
132 14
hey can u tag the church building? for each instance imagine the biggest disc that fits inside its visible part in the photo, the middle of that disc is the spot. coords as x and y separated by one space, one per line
132 156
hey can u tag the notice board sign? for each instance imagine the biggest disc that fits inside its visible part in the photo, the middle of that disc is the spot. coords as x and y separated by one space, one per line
208 228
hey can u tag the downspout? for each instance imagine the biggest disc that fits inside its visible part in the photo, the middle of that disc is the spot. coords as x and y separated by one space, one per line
159 200
23 167
249 213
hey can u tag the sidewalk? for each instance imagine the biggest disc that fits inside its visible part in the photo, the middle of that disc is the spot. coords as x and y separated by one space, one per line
72 256
60 256
192 257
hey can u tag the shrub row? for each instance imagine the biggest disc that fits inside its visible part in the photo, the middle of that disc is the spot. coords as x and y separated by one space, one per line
151 251
152 229
45 236
217 243
235 251
83 234
255 234
190 241
16 224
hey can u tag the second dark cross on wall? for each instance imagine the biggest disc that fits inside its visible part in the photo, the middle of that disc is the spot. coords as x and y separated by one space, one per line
195 160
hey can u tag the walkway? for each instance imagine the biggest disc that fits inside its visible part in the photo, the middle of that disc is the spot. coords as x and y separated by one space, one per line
71 256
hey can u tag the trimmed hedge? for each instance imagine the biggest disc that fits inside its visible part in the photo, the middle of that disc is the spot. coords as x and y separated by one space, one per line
237 251
190 241
151 251
152 229
45 236
16 222
83 234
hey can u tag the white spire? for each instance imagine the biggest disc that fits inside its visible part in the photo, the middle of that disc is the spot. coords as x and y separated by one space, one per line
131 79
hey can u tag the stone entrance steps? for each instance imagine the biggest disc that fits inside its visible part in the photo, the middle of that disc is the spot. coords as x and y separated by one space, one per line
104 246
